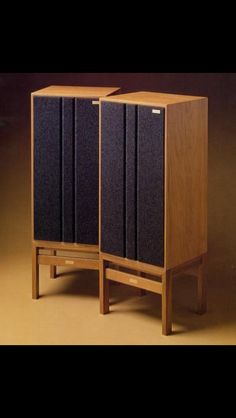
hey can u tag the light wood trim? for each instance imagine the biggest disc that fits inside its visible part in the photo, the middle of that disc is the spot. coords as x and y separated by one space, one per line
63 246
166 303
35 266
69 261
99 178
53 268
134 265
147 98
32 166
104 286
142 292
76 91
35 273
186 176
201 287
133 280
91 256
165 187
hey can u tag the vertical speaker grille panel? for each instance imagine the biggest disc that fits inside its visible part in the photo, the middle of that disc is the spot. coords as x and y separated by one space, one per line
47 168
150 183
132 182
113 179
86 169
67 170
131 173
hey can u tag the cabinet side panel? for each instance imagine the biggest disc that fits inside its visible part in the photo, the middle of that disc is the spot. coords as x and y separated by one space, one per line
67 170
186 171
150 186
47 168
113 178
131 182
86 171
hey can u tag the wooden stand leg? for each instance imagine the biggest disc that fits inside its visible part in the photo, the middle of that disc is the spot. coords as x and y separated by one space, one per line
53 269
115 283
167 303
142 292
201 287
103 288
35 273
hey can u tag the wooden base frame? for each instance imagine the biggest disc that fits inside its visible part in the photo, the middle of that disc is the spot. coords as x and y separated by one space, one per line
113 268
53 259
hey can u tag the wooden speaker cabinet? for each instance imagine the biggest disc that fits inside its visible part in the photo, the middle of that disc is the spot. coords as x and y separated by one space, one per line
153 193
65 133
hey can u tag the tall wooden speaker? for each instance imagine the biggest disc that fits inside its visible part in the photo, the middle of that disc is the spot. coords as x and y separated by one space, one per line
153 193
65 132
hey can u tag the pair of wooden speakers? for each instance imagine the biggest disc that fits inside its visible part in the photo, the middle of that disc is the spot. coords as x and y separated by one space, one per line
119 185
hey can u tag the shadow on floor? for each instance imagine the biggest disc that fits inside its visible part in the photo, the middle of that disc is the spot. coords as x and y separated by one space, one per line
84 283
221 311
221 300
72 283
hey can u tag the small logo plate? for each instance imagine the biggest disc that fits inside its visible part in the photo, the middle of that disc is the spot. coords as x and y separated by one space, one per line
156 111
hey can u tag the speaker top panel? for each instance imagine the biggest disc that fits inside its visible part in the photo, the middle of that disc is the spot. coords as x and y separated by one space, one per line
76 91
149 98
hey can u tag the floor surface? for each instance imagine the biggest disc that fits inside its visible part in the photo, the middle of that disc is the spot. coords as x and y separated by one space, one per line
68 310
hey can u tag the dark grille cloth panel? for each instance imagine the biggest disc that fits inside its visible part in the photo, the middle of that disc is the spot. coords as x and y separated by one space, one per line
66 170
113 178
131 181
47 168
68 234
150 202
86 171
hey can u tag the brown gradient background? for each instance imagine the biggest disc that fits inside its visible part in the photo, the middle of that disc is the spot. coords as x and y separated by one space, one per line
67 312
